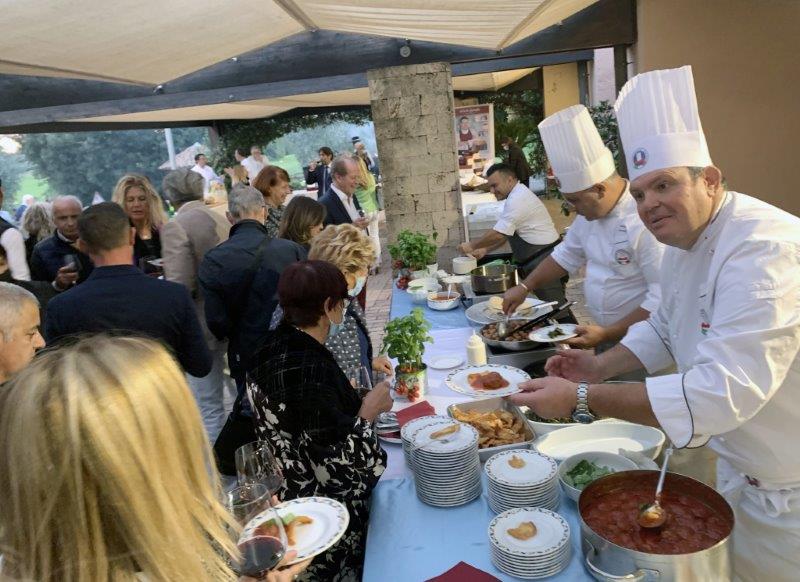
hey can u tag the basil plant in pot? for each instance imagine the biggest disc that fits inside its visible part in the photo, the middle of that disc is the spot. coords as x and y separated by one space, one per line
404 339
414 255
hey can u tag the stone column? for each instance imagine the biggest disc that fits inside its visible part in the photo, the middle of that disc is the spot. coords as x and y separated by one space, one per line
412 109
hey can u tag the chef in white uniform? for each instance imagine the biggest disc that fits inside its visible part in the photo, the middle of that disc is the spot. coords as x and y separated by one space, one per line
622 258
729 318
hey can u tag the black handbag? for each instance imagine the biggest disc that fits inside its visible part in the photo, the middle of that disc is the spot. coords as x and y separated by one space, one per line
239 429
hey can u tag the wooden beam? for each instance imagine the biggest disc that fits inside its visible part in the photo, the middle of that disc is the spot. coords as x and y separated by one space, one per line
191 99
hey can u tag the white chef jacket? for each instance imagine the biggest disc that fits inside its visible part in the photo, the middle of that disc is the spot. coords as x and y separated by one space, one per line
730 319
622 258
524 214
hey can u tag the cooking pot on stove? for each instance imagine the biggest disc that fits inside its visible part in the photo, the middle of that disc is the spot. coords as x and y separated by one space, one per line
607 561
493 278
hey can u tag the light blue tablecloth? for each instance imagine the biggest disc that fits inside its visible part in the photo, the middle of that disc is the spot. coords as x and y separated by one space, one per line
402 305
409 541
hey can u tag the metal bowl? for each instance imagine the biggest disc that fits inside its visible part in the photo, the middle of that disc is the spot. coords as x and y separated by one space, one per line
494 278
514 346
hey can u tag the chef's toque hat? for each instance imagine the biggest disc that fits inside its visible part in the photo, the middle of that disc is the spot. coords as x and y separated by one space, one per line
575 149
659 123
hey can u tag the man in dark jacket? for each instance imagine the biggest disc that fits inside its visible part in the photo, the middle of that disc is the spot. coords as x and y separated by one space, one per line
119 298
239 278
340 200
58 259
319 173
516 159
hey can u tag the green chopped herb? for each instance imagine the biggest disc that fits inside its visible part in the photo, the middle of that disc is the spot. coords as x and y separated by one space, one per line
584 473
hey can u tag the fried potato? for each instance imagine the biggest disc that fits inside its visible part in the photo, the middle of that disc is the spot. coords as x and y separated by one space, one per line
495 428
516 462
524 531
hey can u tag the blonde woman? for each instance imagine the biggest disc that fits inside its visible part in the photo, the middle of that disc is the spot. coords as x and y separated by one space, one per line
349 249
238 175
104 471
37 225
145 209
368 201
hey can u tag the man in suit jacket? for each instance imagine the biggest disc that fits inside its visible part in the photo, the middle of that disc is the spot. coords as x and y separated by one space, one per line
339 199
320 173
119 298
192 232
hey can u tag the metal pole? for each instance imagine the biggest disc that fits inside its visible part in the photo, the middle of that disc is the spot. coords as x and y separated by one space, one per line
170 147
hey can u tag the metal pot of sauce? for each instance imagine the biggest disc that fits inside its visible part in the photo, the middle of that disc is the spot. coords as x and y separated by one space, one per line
693 545
493 278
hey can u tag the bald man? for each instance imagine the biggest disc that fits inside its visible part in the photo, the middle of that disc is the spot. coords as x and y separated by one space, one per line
57 259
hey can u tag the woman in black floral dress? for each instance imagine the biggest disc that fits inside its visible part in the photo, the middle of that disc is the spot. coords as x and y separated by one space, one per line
317 426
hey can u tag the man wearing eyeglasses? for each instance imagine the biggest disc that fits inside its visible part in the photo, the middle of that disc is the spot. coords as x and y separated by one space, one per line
622 258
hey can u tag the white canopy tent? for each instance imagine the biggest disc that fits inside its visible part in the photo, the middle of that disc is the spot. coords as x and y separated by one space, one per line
142 63
151 41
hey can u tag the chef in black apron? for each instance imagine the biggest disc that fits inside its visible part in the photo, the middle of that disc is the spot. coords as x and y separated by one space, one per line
525 224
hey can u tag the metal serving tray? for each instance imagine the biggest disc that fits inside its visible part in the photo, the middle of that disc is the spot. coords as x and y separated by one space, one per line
487 405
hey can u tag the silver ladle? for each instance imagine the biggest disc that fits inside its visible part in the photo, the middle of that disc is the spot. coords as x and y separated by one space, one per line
654 515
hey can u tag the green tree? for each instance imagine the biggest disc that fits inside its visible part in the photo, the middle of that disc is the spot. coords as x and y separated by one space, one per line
12 168
269 132
84 163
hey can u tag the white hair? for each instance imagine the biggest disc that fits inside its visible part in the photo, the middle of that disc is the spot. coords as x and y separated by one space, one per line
244 200
68 198
12 299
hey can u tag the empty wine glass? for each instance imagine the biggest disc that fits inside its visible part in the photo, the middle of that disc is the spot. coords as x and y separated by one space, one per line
264 548
361 379
256 464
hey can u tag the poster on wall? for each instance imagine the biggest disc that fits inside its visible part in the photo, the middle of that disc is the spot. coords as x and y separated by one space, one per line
474 125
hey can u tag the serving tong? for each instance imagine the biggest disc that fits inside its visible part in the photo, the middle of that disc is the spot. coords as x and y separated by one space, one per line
561 310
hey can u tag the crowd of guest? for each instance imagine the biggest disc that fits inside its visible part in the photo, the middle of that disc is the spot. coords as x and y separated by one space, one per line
160 334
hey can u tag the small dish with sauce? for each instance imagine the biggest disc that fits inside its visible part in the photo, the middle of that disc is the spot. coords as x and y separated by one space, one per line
443 301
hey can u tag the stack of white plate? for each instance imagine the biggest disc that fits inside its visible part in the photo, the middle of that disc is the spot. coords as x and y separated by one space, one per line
533 482
412 425
446 473
545 554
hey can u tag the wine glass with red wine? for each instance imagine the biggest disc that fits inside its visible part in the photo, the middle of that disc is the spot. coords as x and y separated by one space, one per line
265 548
256 464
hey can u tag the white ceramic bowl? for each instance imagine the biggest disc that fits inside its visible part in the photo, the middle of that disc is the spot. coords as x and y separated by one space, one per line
541 428
437 304
463 265
613 461
419 296
428 284
607 437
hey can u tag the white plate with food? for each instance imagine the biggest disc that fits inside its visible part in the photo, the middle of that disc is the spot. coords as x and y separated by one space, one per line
547 537
490 380
554 333
312 525
491 311
603 437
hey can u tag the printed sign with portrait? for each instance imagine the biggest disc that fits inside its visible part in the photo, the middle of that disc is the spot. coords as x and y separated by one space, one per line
474 126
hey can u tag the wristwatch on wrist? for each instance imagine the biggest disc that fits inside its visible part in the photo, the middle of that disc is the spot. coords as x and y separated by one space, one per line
582 413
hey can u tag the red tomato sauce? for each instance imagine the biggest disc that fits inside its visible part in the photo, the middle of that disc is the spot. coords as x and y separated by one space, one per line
691 525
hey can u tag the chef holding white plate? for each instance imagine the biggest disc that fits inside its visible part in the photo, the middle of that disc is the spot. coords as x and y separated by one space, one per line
729 318
622 258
